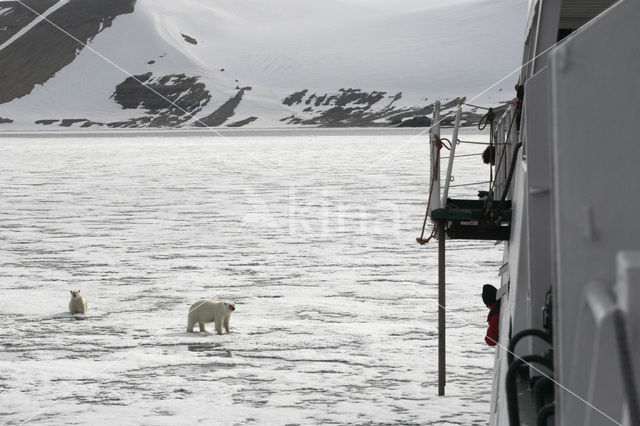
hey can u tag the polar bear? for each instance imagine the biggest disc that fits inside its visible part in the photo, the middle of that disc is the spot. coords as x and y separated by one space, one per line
205 311
77 304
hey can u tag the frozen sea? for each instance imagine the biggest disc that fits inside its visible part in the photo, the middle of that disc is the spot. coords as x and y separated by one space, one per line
311 233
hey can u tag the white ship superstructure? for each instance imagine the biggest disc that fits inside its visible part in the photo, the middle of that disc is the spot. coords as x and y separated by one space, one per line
566 195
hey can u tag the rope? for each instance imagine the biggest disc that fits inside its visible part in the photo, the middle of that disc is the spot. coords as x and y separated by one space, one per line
439 144
473 142
475 106
469 184
480 143
485 108
462 155
487 119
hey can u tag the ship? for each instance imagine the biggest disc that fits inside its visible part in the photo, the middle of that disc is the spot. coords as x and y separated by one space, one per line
563 202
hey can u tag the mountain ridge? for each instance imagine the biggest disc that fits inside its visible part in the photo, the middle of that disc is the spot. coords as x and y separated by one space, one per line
232 65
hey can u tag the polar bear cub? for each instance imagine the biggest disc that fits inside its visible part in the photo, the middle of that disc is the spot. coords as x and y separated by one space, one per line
204 311
77 304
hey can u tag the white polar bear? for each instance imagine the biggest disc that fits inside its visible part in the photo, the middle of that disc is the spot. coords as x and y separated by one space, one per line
77 304
205 311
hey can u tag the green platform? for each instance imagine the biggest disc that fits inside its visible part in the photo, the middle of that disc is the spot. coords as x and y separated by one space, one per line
475 219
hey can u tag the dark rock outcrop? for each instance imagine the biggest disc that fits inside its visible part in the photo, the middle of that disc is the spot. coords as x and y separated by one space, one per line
47 122
171 99
417 121
131 123
224 112
355 108
188 39
67 122
20 15
44 50
242 122
294 98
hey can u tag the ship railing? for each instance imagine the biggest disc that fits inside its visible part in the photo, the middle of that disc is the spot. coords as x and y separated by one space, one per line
452 155
506 148
503 141
488 216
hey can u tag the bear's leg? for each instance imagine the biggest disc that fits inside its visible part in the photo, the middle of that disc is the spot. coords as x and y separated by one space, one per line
202 326
218 326
226 324
190 325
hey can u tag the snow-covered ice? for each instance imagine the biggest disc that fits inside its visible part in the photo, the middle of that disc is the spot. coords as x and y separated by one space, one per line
314 238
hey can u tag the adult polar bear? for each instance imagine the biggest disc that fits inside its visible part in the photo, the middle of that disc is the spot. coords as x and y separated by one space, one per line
204 311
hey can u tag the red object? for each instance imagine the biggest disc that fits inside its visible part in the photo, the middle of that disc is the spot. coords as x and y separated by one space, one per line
494 324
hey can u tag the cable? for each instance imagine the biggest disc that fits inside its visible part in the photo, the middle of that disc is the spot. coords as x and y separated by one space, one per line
469 184
463 155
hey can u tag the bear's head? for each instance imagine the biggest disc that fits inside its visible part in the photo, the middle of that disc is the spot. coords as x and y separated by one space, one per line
230 306
75 293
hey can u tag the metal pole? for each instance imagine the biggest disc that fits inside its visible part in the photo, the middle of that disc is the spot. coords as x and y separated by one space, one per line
499 147
452 155
490 117
435 165
441 293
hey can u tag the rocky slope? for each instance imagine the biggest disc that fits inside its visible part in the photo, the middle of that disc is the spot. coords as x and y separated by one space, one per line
160 64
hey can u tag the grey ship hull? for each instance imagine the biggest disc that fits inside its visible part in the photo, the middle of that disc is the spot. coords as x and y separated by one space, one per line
574 227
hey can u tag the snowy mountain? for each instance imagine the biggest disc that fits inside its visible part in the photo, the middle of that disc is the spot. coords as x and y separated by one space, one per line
195 63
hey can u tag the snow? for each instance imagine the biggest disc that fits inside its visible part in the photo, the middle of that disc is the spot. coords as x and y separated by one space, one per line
312 234
424 49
